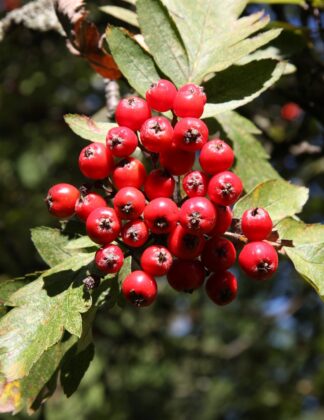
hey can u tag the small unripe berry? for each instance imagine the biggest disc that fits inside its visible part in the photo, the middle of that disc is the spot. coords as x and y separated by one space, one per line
139 288
61 200
256 224
186 275
258 260
221 287
132 112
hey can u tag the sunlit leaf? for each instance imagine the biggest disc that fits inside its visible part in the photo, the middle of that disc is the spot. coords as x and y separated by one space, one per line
87 128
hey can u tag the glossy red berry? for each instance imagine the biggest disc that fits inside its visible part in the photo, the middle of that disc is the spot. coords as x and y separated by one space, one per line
121 141
198 214
221 287
176 161
132 112
135 233
216 156
190 134
61 199
195 184
103 225
185 245
95 161
256 224
129 172
160 96
156 260
139 288
219 254
159 183
156 134
186 275
129 203
87 203
290 111
225 188
258 260
223 220
189 101
161 215
109 259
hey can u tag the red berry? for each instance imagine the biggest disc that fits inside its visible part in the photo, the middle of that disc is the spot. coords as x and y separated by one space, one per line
223 220
176 161
198 214
160 95
87 203
132 112
256 224
225 188
129 172
186 275
221 287
258 260
216 156
109 259
156 134
129 203
139 288
189 101
190 134
219 254
61 199
290 111
103 225
135 233
195 184
185 245
159 183
161 215
156 260
121 141
95 161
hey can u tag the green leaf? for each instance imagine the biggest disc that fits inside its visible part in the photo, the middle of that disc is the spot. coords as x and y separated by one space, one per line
165 44
135 63
87 128
80 243
121 13
279 197
9 286
213 35
239 85
50 244
251 164
297 2
43 309
125 270
307 254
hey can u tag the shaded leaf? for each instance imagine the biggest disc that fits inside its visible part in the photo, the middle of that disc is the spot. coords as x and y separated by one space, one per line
87 128
307 254
251 164
121 13
134 62
9 286
165 44
279 197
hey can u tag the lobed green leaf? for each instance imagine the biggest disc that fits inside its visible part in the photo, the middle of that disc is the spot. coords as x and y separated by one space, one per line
87 128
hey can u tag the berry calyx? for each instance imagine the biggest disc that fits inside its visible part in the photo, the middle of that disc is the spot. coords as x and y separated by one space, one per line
189 101
186 275
135 233
87 203
160 96
109 259
256 224
159 183
161 215
198 214
129 203
156 134
121 141
103 225
225 188
139 288
216 156
218 254
221 287
61 199
129 172
190 134
185 245
156 260
95 161
132 112
258 260
195 184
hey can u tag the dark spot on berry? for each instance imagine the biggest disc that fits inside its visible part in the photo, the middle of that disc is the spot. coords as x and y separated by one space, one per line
91 282
195 219
49 201
225 294
161 257
161 223
88 152
132 233
155 126
126 208
136 298
124 163
254 212
105 223
131 101
227 189
192 136
221 251
190 241
188 290
153 85
115 141
264 266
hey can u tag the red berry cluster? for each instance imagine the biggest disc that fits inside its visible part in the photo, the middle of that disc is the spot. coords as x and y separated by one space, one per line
180 234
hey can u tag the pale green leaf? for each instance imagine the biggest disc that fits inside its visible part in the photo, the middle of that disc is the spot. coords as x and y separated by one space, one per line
280 198
87 128
121 13
307 254
134 62
251 163
165 43
297 2
80 243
